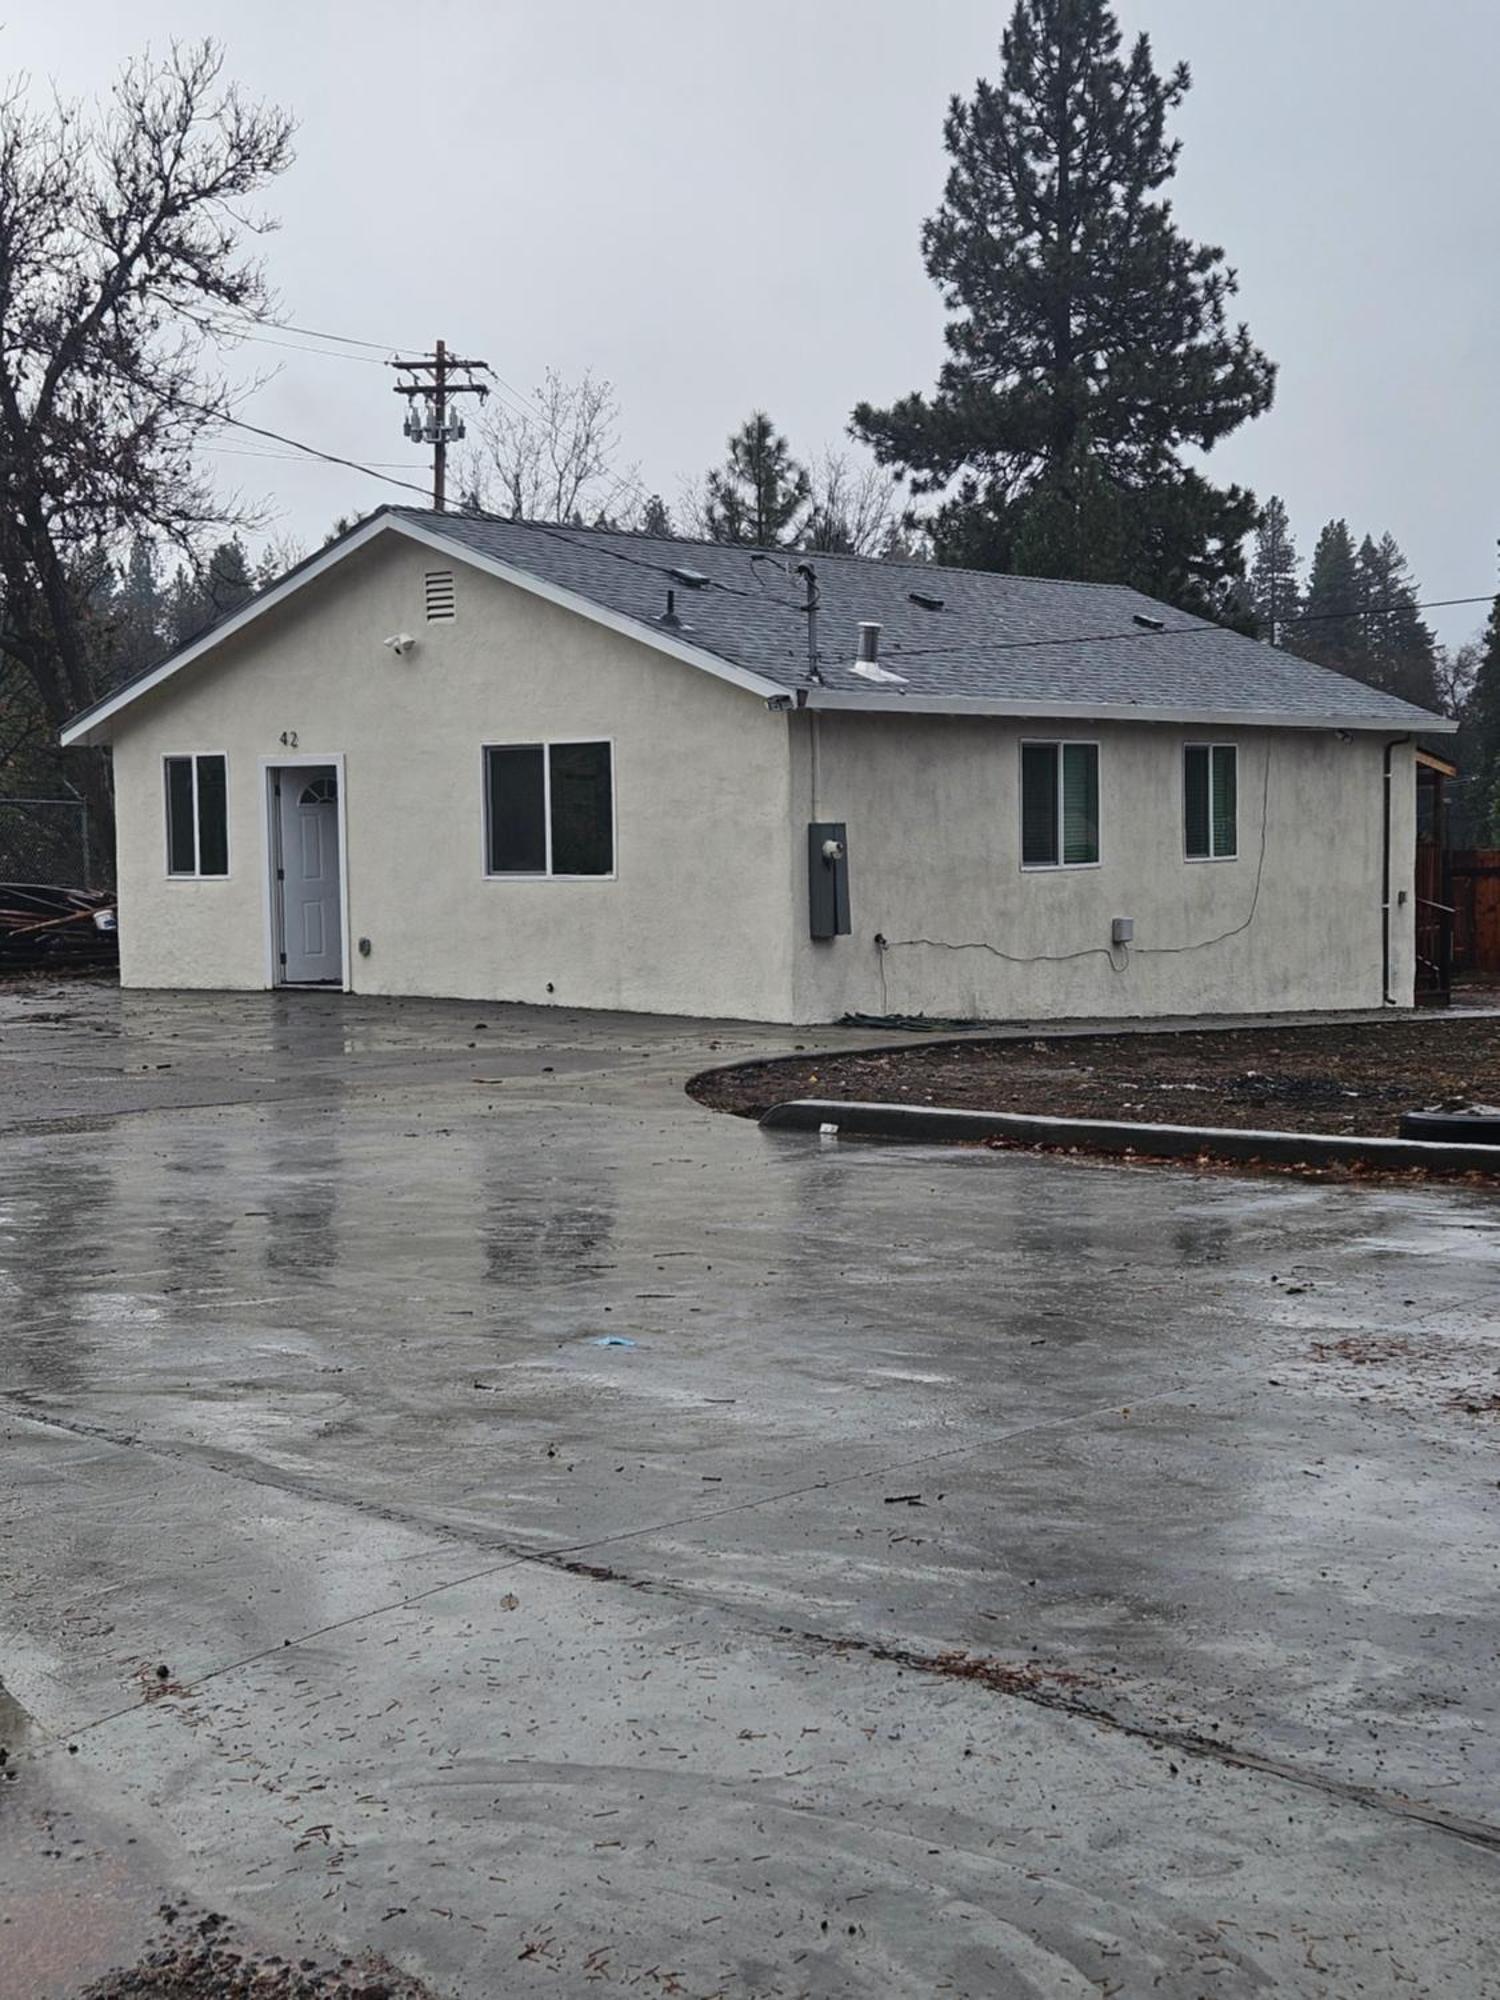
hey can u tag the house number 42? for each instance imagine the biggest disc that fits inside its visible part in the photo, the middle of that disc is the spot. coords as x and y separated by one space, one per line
288 739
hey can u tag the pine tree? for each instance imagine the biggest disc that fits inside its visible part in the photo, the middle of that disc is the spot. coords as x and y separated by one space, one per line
1275 592
200 598
1088 340
655 518
760 496
1479 740
1400 648
137 615
1329 627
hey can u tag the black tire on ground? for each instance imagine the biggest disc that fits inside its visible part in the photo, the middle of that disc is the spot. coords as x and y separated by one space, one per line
1453 1128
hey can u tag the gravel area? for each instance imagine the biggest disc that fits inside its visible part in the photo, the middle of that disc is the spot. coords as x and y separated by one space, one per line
1343 1077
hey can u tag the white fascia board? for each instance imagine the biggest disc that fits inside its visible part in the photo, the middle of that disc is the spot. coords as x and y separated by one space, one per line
1093 711
88 727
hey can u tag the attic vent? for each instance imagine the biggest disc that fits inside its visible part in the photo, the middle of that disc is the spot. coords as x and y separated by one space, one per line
926 599
693 579
442 597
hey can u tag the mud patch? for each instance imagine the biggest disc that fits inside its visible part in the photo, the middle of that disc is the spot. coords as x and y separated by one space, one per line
202 1959
1023 1678
1420 1375
1365 1350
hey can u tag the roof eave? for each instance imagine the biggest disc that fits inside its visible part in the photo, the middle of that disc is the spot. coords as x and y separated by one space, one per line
1093 711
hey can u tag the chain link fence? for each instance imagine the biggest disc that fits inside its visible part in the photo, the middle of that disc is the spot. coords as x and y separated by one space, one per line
46 841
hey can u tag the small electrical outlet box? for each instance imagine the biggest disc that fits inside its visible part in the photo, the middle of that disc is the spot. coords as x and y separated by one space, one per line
1122 930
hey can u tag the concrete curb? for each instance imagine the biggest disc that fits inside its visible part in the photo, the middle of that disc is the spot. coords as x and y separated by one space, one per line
928 1124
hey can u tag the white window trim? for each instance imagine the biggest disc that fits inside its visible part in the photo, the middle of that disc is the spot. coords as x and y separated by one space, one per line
1198 860
1057 743
195 873
545 744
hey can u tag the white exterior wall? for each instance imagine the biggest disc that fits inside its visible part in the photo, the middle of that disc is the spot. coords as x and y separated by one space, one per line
932 806
696 920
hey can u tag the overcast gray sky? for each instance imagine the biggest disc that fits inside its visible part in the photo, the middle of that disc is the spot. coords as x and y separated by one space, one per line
716 206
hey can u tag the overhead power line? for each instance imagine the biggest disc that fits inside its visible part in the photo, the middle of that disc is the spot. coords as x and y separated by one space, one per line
297 457
558 532
250 320
438 362
1388 610
1178 631
339 339
263 332
301 347
312 451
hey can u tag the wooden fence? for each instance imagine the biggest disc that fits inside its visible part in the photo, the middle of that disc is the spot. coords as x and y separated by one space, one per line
1474 873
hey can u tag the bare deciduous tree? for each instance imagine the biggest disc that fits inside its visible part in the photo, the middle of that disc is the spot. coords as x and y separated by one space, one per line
691 509
556 460
856 508
1455 669
121 234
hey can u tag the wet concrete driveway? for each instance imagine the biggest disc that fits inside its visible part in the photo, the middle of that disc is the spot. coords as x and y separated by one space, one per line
596 1546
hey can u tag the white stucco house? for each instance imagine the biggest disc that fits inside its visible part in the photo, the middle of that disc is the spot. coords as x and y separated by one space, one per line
510 761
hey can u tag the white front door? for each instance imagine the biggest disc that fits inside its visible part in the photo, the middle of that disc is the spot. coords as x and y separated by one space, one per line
308 876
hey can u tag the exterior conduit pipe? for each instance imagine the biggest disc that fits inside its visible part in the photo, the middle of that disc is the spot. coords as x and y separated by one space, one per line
1386 1000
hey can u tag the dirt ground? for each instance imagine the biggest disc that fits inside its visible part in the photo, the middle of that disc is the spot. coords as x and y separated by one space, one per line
1348 1077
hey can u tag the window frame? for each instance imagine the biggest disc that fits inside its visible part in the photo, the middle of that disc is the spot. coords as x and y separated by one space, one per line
195 873
546 745
1057 744
1201 743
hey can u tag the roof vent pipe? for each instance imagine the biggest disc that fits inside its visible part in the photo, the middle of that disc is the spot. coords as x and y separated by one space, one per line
869 641
809 576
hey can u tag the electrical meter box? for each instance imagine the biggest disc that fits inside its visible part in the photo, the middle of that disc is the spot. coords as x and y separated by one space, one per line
827 878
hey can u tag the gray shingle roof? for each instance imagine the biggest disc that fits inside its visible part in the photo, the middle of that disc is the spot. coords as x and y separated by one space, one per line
1023 641
1016 644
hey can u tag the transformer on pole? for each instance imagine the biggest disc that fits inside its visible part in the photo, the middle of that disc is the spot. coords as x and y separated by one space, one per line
430 390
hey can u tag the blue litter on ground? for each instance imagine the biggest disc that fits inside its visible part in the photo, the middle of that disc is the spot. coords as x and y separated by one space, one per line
614 1340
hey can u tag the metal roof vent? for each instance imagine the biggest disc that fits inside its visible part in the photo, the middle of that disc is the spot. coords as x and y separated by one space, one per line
693 579
868 666
441 596
669 617
926 599
1149 624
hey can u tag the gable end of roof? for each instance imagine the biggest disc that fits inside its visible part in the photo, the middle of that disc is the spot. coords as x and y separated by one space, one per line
88 726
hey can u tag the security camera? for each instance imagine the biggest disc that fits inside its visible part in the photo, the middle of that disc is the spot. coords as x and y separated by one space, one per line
400 643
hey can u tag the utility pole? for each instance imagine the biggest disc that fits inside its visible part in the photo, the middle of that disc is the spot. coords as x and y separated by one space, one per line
430 383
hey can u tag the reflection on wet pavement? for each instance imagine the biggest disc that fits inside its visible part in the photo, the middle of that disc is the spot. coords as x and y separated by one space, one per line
550 1489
